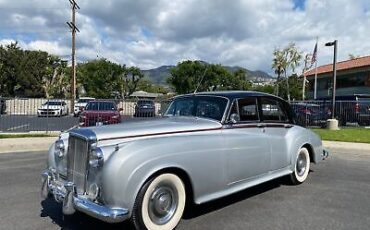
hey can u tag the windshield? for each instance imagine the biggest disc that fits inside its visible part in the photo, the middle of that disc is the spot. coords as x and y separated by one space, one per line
54 103
84 100
198 106
99 105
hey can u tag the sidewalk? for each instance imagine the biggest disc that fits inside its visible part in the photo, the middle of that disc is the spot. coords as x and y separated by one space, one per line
346 145
8 145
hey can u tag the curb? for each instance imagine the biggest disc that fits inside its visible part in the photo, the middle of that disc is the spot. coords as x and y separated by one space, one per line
27 144
346 145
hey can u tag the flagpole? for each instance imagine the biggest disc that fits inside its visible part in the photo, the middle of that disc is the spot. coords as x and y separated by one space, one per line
315 87
315 91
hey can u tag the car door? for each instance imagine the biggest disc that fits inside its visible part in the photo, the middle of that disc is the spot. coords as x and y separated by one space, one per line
247 150
277 121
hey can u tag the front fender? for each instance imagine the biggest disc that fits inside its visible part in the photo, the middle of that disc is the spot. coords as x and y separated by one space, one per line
131 166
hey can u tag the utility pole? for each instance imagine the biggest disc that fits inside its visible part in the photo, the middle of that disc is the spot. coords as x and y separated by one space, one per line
74 28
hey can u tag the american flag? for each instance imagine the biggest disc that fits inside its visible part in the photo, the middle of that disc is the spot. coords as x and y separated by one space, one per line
314 55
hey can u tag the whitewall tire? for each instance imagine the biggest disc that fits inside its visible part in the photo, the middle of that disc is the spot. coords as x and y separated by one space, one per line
160 203
301 167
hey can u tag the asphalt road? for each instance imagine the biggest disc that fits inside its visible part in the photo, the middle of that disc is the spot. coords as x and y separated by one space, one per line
26 123
335 196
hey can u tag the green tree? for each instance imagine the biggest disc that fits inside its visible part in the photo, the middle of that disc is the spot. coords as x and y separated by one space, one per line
295 87
264 88
129 81
100 78
26 73
188 76
284 60
146 85
352 56
10 59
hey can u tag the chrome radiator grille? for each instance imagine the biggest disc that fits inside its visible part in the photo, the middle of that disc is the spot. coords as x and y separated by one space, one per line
77 162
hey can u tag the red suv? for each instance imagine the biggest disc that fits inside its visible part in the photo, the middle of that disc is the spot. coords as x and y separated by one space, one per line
100 113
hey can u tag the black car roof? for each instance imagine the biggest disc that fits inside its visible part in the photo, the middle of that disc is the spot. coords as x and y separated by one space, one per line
231 95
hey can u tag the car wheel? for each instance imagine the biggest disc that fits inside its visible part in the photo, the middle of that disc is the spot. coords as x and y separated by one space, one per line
301 167
160 203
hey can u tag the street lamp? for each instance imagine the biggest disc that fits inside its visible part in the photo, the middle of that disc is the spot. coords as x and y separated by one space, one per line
335 44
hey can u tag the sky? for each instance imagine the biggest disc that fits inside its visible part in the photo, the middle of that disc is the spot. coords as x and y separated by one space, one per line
148 34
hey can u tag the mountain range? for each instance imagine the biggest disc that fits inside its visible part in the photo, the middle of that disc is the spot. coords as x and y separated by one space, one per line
159 75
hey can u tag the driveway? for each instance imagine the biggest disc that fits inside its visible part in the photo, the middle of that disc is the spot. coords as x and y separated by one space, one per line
335 196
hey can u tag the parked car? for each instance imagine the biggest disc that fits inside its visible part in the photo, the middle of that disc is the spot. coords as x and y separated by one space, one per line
53 108
81 104
2 106
350 108
363 110
207 146
100 113
144 108
308 114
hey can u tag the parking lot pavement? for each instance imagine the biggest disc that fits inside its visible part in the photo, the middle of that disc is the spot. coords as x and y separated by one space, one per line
26 123
335 196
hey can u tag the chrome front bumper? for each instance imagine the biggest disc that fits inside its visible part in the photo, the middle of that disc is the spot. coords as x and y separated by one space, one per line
65 192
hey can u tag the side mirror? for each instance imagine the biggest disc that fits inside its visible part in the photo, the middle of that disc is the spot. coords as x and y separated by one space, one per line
234 118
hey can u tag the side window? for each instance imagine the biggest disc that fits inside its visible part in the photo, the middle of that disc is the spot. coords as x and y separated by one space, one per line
273 110
248 109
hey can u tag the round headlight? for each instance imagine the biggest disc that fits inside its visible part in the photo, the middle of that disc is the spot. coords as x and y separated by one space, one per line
96 157
59 148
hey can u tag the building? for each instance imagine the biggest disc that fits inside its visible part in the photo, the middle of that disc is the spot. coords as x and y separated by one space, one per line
145 95
353 77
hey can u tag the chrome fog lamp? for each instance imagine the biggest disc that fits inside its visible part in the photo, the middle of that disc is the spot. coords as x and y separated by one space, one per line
96 156
93 191
59 148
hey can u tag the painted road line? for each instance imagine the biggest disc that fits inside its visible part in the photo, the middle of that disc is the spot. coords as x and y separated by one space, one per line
18 127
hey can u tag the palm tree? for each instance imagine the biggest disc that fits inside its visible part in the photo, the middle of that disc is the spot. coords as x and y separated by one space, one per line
279 65
288 58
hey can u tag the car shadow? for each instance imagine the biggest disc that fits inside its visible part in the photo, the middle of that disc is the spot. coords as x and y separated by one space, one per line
193 211
53 210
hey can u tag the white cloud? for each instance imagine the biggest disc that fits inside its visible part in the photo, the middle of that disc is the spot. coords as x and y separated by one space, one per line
152 33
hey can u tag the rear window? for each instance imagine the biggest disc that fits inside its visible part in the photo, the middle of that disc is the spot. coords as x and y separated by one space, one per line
101 106
145 102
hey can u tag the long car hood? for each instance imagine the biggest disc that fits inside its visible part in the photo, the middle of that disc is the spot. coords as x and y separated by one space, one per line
147 127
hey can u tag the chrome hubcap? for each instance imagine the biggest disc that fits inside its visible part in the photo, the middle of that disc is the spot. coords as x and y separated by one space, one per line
162 204
301 164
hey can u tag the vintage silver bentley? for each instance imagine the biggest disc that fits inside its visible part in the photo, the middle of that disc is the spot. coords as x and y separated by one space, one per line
206 146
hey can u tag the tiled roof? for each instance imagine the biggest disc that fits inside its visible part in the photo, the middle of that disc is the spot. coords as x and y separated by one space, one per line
343 65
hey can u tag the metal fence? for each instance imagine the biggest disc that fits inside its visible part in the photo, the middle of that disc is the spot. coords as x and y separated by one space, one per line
35 114
29 114
348 113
